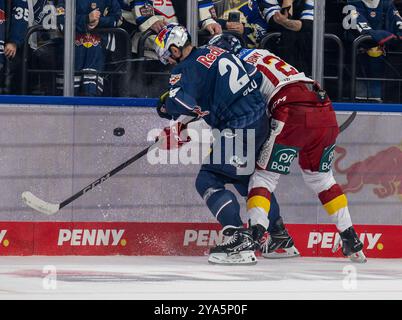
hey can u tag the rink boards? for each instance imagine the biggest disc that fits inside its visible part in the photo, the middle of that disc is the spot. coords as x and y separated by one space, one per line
55 150
173 239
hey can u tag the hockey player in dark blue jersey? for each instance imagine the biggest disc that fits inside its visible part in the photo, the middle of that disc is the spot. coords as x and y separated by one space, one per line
209 82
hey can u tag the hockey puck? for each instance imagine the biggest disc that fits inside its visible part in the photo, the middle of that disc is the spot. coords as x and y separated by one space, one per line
119 132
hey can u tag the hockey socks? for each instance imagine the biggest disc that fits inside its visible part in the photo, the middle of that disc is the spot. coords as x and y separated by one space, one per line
224 206
335 203
258 206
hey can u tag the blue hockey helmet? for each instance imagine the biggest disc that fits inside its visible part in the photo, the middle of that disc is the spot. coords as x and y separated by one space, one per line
227 42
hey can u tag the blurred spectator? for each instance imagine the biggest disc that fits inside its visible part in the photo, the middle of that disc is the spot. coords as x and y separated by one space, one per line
2 38
380 20
158 13
294 18
244 17
398 5
90 47
25 14
128 20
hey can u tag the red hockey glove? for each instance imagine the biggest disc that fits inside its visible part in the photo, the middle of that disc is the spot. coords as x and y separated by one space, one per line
174 137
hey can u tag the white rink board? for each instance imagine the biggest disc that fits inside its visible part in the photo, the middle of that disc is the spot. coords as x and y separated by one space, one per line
188 278
54 151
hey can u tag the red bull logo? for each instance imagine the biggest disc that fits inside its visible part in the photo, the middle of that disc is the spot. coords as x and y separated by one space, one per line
2 16
200 113
87 40
160 39
383 170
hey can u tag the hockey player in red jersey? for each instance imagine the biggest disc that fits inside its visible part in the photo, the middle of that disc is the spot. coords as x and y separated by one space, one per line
303 125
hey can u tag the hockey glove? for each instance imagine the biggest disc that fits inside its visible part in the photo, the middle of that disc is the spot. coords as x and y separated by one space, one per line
381 36
174 137
161 107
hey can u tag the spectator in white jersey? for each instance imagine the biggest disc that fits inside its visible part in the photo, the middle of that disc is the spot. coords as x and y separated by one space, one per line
155 14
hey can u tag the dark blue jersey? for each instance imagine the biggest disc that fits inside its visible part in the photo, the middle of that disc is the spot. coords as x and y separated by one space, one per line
256 27
384 16
218 86
2 30
126 5
26 13
110 13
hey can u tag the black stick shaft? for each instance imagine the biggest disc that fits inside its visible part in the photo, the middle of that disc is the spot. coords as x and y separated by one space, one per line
105 177
347 122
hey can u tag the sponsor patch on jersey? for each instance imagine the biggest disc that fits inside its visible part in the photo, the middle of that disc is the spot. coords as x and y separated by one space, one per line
87 40
253 59
147 11
210 58
200 113
174 78
373 14
2 16
327 158
281 158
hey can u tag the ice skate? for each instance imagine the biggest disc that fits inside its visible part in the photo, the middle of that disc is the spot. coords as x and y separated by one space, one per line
351 246
237 250
279 244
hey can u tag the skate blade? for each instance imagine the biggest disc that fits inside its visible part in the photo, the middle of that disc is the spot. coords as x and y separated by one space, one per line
291 252
240 258
358 257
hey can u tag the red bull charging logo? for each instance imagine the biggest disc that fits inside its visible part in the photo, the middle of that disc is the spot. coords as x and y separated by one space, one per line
87 40
382 170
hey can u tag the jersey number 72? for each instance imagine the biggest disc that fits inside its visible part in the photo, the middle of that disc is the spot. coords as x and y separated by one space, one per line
279 72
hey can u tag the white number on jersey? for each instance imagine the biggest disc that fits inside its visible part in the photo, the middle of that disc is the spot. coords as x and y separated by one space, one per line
21 13
235 83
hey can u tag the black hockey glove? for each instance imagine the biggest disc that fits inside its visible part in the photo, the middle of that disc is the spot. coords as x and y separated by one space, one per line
161 107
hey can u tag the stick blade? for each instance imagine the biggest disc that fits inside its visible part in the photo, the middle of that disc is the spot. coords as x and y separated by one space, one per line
38 204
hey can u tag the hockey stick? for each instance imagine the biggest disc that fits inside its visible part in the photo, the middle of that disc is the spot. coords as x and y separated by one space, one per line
347 122
51 208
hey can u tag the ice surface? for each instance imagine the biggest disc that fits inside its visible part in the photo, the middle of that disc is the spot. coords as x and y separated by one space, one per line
163 278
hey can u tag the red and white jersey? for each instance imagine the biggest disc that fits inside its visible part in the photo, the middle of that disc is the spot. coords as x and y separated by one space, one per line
276 72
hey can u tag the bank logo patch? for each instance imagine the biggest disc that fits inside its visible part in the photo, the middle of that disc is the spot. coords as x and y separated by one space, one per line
281 158
327 158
